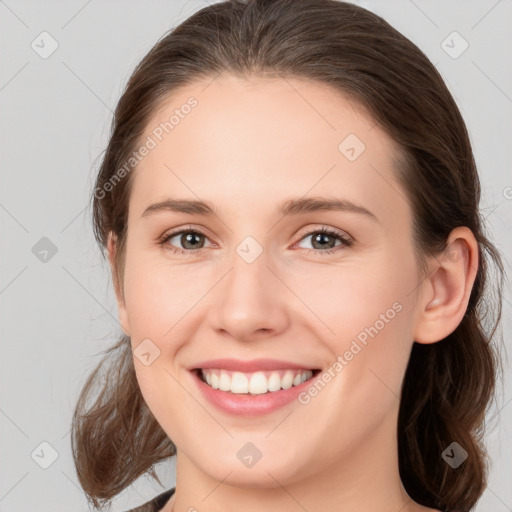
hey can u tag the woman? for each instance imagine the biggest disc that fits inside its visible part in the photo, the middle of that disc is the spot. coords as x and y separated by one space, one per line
289 203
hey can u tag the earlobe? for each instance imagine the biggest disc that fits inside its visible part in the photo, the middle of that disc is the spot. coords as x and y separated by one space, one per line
121 307
447 289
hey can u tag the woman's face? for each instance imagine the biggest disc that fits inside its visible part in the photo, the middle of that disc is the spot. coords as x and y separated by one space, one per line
262 284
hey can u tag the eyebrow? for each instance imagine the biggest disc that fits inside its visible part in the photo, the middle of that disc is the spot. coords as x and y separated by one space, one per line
291 207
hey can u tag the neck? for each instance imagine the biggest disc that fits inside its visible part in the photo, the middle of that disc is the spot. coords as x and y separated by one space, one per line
362 477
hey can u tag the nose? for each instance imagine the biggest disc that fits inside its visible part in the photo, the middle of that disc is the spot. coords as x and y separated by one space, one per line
250 301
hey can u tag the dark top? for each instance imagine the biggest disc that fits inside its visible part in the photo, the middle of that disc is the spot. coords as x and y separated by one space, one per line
156 503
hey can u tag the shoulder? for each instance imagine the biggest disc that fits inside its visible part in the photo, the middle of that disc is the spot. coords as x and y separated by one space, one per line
155 504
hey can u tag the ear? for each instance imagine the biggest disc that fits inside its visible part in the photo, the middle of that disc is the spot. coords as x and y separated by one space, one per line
447 288
121 306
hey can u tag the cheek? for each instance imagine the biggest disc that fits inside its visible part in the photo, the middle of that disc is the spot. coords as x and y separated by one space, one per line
158 294
366 317
351 297
370 354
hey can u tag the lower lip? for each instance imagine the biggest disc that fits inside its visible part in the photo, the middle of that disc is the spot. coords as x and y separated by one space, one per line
250 405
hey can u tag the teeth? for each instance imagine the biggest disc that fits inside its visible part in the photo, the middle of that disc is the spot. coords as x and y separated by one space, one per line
255 383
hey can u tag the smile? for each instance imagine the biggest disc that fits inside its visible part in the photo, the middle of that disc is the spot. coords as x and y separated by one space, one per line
252 394
254 383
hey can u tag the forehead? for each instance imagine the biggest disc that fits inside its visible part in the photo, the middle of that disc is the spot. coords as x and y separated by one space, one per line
239 142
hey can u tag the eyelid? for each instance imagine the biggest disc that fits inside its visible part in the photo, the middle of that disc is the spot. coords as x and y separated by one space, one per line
324 227
179 231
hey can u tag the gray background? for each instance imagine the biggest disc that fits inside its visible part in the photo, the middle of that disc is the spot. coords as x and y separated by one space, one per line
59 314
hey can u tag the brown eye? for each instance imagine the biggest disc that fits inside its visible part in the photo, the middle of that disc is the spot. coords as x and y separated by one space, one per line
190 239
324 241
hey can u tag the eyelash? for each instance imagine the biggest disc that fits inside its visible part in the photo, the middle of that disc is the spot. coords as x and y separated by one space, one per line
346 242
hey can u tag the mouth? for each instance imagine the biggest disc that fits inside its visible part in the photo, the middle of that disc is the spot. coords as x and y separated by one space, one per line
254 383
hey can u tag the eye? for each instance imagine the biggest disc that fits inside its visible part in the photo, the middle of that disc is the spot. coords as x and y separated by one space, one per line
192 241
321 239
190 238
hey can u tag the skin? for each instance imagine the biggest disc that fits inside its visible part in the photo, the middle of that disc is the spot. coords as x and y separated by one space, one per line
247 146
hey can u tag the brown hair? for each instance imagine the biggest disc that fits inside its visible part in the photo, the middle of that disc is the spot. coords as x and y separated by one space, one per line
448 385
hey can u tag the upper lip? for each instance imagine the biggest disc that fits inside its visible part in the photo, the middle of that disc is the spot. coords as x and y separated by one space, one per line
252 365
